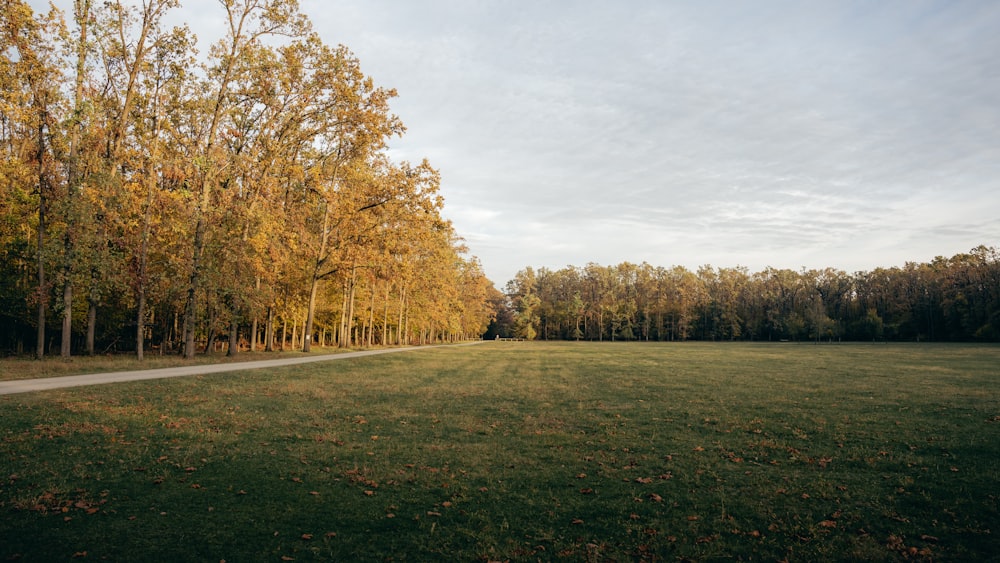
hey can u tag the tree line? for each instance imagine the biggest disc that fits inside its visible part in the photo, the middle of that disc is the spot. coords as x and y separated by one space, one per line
948 299
152 198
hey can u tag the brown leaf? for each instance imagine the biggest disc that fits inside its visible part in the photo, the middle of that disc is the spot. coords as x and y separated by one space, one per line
581 475
432 513
655 497
828 524
644 480
587 491
369 493
693 517
576 522
287 558
699 449
314 493
307 536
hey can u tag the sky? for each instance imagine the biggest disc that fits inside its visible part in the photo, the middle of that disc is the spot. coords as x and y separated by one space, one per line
784 134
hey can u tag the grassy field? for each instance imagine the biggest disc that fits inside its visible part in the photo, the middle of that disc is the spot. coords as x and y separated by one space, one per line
522 452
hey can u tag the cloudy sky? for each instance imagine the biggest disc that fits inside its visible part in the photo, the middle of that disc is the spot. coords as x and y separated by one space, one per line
787 134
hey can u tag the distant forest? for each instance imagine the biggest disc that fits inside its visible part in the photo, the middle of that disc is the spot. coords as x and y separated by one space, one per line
948 299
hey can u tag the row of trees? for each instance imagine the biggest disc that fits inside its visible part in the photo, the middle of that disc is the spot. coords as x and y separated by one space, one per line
152 196
948 299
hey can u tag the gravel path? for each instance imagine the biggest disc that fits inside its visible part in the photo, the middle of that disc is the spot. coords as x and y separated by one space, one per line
44 384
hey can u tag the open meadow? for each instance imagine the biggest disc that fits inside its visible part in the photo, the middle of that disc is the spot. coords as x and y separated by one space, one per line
521 451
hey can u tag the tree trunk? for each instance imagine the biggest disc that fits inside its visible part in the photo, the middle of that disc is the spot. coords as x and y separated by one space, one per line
234 338
194 284
371 317
269 330
210 343
92 302
310 314
67 320
342 335
399 324
350 308
385 316
140 318
42 294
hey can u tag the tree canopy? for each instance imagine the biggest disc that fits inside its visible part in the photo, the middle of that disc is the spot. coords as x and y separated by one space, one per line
150 197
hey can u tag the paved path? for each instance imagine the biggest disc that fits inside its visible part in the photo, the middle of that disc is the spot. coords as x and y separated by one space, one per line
44 384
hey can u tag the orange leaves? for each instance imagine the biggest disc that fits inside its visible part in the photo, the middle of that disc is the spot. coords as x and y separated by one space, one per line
51 502
897 543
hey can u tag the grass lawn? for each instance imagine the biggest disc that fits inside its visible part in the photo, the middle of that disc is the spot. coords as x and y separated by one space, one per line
523 452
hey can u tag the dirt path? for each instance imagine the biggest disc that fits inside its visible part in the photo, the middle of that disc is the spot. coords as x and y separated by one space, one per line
44 384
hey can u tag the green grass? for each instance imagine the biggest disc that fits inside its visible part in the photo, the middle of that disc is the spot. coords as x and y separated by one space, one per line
523 452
